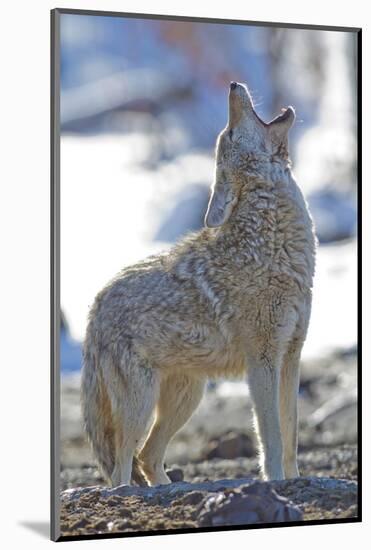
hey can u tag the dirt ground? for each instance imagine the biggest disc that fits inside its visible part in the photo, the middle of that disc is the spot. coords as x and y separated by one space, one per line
217 444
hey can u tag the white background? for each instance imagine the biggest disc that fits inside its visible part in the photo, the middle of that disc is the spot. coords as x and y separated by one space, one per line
24 218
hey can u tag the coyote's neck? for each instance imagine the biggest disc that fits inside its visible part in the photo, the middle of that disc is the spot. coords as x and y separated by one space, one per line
272 229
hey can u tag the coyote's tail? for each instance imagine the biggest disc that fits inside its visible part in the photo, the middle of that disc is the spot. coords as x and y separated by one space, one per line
98 419
97 413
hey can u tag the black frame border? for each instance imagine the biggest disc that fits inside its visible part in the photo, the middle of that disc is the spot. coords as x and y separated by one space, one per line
55 270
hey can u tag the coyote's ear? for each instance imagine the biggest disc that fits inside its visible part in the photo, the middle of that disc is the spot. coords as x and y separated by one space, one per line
221 204
279 127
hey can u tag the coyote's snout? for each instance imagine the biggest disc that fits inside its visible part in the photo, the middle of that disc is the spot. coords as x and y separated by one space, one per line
230 300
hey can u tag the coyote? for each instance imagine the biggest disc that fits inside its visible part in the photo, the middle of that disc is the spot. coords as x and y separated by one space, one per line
233 299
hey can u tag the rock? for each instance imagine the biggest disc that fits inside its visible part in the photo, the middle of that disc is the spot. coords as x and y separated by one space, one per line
170 491
175 474
194 497
257 503
229 446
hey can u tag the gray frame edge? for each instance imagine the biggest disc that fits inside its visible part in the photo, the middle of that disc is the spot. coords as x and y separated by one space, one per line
55 276
169 17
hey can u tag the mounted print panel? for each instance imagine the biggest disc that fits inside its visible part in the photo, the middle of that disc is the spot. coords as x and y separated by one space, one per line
205 192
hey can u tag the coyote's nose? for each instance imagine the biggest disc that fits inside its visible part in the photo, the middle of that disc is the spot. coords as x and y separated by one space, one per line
233 85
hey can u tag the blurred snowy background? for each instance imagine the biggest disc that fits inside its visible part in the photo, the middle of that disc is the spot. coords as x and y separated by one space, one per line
142 102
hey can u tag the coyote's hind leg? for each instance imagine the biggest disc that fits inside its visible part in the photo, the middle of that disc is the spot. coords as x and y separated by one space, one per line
179 396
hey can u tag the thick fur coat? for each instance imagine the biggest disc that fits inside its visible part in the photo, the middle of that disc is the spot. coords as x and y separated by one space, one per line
233 299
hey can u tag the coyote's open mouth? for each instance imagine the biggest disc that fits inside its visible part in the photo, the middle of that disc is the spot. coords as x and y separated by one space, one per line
241 103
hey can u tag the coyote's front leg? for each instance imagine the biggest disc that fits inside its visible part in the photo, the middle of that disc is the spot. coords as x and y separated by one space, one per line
263 380
289 390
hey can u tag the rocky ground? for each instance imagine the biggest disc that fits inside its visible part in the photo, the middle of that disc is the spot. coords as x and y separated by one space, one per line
214 466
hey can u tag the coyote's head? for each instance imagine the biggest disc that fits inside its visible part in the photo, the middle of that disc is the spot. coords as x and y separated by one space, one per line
246 148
